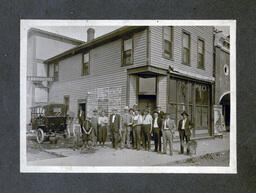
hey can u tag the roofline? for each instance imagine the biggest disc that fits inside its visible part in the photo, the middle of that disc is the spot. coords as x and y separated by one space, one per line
116 34
54 35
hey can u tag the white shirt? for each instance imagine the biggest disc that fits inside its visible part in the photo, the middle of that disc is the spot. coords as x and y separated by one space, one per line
147 120
103 121
138 119
113 118
183 123
155 123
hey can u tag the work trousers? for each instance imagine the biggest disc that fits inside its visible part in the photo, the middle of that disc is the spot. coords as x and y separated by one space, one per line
146 138
168 139
136 135
115 138
125 136
102 134
182 136
157 139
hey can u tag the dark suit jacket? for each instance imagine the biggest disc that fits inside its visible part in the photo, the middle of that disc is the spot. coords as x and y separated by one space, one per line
188 126
159 122
116 125
86 125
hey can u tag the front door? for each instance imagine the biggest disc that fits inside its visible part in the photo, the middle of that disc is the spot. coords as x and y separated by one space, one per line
147 102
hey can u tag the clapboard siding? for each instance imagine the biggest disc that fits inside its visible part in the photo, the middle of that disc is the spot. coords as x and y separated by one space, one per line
140 48
104 59
81 88
206 33
162 95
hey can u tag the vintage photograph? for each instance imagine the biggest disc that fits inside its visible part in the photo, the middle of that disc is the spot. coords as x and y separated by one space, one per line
128 96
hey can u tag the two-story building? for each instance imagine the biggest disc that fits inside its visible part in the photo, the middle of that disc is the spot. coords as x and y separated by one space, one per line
222 81
166 66
42 45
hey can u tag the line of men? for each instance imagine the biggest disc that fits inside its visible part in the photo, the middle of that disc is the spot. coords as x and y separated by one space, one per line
133 129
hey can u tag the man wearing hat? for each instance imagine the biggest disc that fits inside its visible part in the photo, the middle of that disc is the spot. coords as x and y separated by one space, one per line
146 130
168 128
184 128
95 129
126 128
115 126
157 125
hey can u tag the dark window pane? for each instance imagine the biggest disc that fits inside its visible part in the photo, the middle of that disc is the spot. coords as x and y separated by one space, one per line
172 91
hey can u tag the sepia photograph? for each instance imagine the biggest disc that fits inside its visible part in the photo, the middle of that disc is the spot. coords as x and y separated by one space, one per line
128 96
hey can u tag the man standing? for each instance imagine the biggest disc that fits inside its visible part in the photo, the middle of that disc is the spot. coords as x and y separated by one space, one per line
94 122
87 133
146 130
114 123
168 128
125 130
130 135
157 125
184 131
137 122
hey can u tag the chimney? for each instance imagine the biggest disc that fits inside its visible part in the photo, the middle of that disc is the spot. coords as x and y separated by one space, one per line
90 34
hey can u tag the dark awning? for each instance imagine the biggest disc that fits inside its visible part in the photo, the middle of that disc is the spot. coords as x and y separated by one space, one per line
147 71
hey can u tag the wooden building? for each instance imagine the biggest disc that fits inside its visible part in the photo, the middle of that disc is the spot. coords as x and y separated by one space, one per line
222 82
170 67
42 45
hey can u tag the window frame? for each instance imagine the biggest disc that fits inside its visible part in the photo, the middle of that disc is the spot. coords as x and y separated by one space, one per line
122 51
56 73
198 66
170 55
87 64
182 48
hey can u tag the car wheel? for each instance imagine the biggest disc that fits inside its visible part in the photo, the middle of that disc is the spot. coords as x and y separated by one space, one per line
40 136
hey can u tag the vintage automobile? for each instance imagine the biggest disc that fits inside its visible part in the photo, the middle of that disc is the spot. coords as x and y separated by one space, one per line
49 121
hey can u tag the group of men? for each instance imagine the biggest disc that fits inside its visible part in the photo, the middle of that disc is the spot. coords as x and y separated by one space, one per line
134 129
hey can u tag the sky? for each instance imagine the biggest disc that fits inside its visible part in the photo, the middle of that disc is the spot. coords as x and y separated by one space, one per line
80 32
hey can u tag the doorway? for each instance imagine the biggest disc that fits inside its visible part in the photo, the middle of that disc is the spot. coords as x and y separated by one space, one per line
147 102
82 107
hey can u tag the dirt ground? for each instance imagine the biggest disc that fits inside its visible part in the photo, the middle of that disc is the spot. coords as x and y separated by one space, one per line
212 159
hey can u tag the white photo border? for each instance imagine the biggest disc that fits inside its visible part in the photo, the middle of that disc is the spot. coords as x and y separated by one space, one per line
25 25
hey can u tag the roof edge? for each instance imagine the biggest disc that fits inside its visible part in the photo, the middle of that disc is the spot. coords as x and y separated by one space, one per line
100 40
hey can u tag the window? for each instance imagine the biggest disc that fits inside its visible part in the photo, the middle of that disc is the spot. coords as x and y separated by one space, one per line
186 48
127 52
85 64
200 55
66 102
168 42
56 71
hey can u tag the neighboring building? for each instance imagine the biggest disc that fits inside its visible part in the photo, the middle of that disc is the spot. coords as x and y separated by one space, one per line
170 67
42 45
222 82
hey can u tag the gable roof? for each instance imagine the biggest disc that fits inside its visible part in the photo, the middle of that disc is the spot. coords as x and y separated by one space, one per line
111 36
51 35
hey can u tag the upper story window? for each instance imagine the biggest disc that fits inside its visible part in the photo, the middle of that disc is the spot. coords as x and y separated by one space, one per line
127 54
168 42
200 54
56 71
85 64
185 48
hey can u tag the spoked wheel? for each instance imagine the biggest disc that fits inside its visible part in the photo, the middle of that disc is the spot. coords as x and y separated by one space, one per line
40 136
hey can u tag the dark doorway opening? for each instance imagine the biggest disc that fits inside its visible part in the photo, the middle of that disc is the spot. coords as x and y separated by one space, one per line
225 102
82 108
147 102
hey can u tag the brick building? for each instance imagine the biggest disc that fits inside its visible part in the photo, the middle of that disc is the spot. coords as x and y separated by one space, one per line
170 67
40 46
222 81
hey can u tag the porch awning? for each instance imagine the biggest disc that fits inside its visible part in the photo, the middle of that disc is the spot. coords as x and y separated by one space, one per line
147 71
